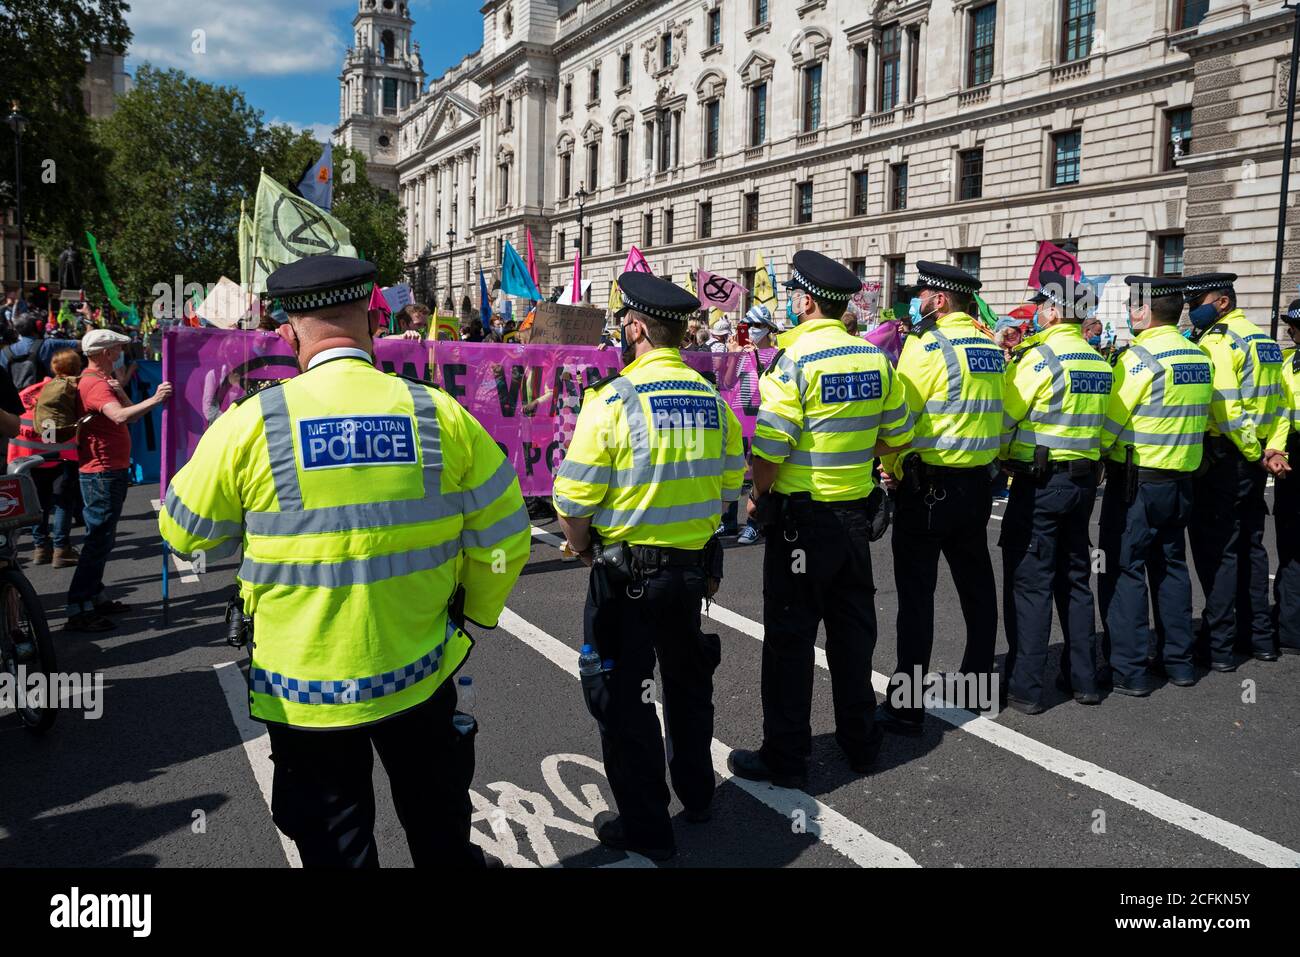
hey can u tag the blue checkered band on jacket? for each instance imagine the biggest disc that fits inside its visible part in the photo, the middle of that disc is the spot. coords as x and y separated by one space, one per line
927 281
630 303
347 690
834 295
330 297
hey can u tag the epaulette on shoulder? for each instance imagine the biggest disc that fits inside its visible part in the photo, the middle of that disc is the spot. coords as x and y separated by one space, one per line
1117 356
775 359
1220 329
257 391
604 380
418 381
1021 353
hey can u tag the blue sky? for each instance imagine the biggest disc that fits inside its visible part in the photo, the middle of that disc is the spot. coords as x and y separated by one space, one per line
286 56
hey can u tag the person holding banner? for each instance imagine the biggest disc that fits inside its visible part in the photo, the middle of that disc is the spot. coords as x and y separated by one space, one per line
378 520
655 454
830 404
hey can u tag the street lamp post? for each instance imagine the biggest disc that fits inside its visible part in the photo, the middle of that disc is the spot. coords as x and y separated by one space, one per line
17 122
581 196
1286 170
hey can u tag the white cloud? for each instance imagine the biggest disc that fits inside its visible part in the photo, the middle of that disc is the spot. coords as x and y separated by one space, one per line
323 132
239 37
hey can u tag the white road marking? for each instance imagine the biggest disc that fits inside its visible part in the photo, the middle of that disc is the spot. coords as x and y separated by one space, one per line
826 824
184 569
1224 833
257 743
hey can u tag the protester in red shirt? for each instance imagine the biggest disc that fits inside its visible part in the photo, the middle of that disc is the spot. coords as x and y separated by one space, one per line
104 451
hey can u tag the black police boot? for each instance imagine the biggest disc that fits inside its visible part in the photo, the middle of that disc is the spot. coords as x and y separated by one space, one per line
1136 689
609 831
1023 706
1264 655
863 758
887 719
751 766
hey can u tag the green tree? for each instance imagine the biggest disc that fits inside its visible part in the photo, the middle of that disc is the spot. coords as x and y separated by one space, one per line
44 45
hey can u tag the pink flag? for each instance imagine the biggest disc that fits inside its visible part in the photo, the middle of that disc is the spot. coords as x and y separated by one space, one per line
378 304
577 278
1053 257
635 261
718 292
532 260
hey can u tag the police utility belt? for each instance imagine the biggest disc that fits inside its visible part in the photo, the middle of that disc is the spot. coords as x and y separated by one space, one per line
1042 467
788 511
624 563
1128 475
919 474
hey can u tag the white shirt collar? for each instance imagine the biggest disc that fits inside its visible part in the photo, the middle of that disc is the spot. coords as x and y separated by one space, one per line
339 353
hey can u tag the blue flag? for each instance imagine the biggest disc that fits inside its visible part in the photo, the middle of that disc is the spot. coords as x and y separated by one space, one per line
317 184
515 280
484 304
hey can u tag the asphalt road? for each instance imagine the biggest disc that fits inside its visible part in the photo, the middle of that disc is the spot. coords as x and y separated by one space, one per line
173 773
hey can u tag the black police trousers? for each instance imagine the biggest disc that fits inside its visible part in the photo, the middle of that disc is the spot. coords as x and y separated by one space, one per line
323 795
1286 587
631 625
1227 533
953 524
1046 555
823 575
1146 541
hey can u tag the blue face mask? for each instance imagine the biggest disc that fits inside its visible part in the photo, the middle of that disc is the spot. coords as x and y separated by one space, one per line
1203 317
790 313
1094 341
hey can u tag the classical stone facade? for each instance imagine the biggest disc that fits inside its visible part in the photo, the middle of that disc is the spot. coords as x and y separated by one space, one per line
878 131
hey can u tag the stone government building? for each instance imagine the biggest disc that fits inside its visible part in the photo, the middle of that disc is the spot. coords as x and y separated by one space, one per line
1145 134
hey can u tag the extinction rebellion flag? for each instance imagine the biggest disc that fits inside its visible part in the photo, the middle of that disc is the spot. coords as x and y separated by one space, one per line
287 228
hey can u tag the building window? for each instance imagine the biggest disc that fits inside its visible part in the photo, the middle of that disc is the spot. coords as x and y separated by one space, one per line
623 144
586 240
758 115
618 235
390 96
896 280
503 185
560 251
1169 255
751 212
914 69
890 59
568 98
647 230
747 280
760 12
593 85
898 186
593 165
706 220
1191 13
566 175
1178 127
1076 29
859 268
665 51
861 61
1065 157
668 227
804 204
712 128
968 261
971 163
812 97
625 70
715 27
510 113
983 23
858 202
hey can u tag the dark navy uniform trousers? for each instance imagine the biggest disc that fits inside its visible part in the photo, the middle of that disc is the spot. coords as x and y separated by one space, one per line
1286 588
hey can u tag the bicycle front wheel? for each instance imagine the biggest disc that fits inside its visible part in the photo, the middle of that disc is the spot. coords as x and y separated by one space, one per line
25 643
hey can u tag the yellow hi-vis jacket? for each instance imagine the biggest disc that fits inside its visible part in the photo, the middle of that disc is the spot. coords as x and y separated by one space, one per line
1160 402
1287 423
827 398
363 501
655 453
953 375
1247 382
1057 390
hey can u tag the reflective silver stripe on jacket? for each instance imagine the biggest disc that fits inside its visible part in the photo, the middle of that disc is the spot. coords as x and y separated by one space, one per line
1060 442
657 514
1079 420
780 424
351 571
957 443
831 459
191 523
952 361
1158 438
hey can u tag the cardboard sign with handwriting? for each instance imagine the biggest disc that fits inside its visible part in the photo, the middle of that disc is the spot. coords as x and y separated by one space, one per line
560 325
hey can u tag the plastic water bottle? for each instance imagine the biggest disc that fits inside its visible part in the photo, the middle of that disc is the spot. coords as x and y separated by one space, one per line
589 662
463 720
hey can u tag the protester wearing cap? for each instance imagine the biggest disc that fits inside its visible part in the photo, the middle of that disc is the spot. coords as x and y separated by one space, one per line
1282 446
655 455
830 404
1056 392
378 521
104 454
1228 519
951 372
720 332
1152 445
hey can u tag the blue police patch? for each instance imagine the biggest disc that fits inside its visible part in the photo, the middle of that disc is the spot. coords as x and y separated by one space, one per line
851 387
339 441
1089 383
1269 352
1191 373
684 411
985 361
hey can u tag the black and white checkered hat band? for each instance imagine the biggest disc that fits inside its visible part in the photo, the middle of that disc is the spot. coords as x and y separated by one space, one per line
1197 288
1293 315
1053 297
1158 291
935 282
834 295
630 303
329 297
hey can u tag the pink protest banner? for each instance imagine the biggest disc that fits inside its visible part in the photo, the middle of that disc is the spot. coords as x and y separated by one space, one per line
1054 258
526 396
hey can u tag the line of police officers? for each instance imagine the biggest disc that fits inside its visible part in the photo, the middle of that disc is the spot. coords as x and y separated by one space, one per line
379 521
